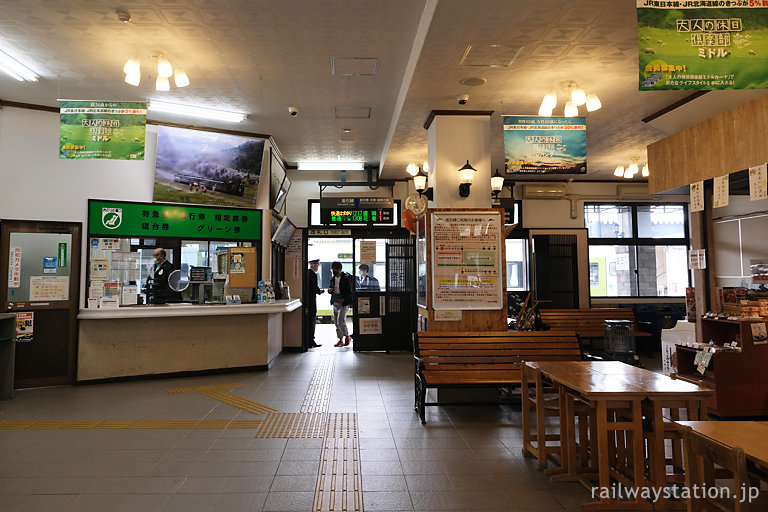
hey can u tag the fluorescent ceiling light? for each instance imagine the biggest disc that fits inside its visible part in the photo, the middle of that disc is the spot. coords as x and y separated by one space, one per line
189 110
331 166
16 69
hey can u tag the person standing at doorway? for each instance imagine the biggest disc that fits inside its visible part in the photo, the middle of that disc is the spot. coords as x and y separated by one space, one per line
310 301
340 289
365 281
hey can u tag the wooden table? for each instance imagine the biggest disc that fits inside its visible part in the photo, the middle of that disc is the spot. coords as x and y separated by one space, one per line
618 394
748 438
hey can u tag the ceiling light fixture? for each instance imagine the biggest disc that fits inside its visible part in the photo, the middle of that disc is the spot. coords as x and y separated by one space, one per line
132 70
331 166
16 69
194 111
412 169
632 170
576 97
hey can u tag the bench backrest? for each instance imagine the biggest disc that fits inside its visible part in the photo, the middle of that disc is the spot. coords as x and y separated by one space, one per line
504 350
586 322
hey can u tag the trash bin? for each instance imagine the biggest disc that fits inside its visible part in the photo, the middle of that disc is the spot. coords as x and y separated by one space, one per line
620 340
7 354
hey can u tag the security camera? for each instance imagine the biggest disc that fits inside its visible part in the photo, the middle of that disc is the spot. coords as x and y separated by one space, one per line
463 99
294 111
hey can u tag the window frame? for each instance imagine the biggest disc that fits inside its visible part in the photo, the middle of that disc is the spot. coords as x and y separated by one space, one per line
636 241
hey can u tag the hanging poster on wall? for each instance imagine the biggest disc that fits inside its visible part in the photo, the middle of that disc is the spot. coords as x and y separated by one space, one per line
25 326
721 192
111 130
697 196
758 182
199 167
466 260
691 44
545 145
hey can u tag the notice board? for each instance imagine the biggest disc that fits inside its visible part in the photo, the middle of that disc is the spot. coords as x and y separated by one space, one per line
242 267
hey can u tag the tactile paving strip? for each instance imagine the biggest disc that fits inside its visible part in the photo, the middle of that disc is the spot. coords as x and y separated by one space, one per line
293 425
339 481
219 392
126 424
319 391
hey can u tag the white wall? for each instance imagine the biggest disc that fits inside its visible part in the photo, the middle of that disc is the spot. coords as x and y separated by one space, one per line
36 185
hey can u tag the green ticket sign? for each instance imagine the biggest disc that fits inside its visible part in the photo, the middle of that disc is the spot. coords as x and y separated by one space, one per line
123 219
703 45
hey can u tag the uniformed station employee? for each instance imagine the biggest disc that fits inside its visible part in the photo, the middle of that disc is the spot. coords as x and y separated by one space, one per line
158 291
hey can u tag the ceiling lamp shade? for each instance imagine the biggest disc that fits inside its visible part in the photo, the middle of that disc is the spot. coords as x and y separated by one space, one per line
619 171
578 96
593 102
544 111
180 78
646 173
570 110
425 166
162 84
632 169
164 68
550 101
132 67
133 79
412 169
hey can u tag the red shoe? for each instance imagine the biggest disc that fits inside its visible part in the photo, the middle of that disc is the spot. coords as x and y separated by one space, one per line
347 341
340 343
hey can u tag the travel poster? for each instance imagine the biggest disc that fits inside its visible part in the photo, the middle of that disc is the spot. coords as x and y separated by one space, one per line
111 130
545 145
199 167
25 326
692 44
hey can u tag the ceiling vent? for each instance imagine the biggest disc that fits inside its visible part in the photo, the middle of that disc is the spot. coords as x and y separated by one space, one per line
354 66
353 112
490 55
543 190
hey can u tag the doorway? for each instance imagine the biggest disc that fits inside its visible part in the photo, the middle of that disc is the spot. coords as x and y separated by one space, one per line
42 262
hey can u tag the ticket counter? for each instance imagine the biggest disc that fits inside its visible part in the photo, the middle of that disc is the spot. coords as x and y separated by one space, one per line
173 338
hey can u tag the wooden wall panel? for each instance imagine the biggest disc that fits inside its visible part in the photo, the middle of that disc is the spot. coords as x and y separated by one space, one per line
726 143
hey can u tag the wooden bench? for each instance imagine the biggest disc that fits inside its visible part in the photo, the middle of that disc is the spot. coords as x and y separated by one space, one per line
484 359
588 323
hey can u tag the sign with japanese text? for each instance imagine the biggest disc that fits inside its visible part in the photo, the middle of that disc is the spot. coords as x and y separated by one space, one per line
357 210
113 218
102 129
466 260
545 145
14 268
702 45
25 326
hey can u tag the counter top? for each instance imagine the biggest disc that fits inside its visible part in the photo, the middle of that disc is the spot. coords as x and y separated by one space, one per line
188 309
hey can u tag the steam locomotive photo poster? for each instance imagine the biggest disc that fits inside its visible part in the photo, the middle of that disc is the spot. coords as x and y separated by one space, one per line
199 167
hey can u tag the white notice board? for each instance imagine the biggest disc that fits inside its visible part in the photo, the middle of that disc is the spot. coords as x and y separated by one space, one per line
466 260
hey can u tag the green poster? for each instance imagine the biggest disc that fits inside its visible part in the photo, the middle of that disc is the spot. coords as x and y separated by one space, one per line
125 219
102 129
62 259
703 44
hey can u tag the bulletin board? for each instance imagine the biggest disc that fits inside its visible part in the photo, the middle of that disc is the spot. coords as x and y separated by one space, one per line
242 267
467 270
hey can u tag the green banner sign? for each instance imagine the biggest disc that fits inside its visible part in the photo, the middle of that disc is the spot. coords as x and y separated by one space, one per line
62 260
102 129
703 45
116 219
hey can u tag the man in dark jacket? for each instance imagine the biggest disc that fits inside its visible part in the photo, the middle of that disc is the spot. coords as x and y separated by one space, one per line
341 292
310 301
157 286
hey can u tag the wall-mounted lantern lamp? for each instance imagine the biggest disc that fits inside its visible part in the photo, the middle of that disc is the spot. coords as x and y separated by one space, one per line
497 184
420 184
466 175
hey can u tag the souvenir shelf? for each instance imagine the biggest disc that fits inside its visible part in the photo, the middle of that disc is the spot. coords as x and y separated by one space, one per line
739 377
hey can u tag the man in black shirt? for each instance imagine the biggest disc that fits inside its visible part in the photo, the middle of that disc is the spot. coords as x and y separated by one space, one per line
310 301
157 285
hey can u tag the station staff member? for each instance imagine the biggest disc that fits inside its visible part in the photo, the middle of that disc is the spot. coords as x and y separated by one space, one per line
158 290
310 301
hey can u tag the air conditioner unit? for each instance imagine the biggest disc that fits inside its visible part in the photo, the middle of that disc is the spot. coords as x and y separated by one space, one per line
543 190
633 191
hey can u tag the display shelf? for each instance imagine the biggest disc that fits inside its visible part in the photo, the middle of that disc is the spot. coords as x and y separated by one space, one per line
739 378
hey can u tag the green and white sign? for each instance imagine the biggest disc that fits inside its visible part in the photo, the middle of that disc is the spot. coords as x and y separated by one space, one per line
118 218
102 129
702 44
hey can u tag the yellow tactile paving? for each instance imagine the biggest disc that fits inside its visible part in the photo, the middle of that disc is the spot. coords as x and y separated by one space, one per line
125 424
319 391
339 483
293 425
219 392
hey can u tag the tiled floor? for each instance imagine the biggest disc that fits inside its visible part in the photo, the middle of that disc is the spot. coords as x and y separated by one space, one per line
465 458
